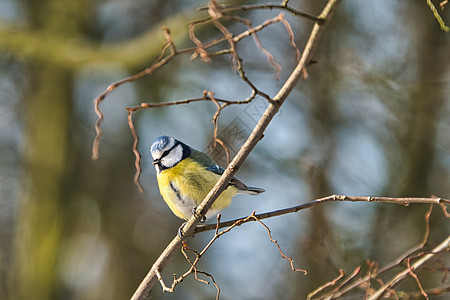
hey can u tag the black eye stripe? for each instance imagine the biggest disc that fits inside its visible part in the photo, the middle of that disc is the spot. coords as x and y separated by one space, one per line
165 153
168 151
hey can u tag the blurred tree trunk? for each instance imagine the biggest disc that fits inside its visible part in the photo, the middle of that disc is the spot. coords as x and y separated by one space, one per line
54 45
416 135
41 223
320 237
426 102
46 114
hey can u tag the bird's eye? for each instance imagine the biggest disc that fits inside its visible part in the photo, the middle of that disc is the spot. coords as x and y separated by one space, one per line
165 153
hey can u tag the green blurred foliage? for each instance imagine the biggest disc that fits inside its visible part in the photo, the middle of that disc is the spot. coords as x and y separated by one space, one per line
372 119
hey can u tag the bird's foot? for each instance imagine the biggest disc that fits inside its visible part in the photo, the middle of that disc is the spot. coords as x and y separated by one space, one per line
180 230
194 212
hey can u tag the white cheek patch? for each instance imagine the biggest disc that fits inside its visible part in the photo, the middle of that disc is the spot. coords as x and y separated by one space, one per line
173 157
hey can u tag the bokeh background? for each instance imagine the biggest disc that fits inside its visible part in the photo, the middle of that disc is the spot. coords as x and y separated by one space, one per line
372 119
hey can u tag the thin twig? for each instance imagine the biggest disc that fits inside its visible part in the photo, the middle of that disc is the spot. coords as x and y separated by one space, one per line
291 261
217 234
215 17
328 284
332 198
445 244
159 62
137 155
395 263
374 273
291 37
344 282
258 43
291 10
201 50
437 16
207 96
150 279
416 278
414 249
193 269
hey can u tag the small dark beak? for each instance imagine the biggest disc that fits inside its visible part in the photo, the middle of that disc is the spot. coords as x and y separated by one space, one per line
156 161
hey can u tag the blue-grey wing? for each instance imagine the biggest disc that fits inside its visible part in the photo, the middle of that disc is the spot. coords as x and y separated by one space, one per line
233 182
212 166
216 169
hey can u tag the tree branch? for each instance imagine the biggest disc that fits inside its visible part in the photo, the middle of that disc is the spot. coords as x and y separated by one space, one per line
402 275
256 135
270 6
165 58
333 198
374 272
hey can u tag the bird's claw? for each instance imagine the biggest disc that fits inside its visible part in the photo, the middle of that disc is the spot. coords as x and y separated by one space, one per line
194 212
180 230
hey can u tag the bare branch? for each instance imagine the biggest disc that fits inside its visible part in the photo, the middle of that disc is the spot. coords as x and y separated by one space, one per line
438 291
160 61
437 16
402 275
374 273
414 275
333 198
328 284
258 43
284 6
207 96
165 58
198 256
291 261
137 162
151 278
354 273
291 38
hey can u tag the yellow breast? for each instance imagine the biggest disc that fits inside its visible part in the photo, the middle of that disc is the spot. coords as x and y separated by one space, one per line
185 185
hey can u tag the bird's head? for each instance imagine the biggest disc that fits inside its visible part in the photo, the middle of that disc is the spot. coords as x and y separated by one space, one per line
167 152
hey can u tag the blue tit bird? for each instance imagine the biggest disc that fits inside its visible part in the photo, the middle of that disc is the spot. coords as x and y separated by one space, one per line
185 176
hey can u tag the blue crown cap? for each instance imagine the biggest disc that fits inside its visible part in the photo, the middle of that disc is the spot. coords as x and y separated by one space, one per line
160 142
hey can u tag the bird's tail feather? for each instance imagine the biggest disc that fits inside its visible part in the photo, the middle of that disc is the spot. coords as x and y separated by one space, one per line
252 191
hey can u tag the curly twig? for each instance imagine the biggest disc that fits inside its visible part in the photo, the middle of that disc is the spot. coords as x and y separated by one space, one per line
256 135
328 284
374 273
160 61
137 162
164 59
402 275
